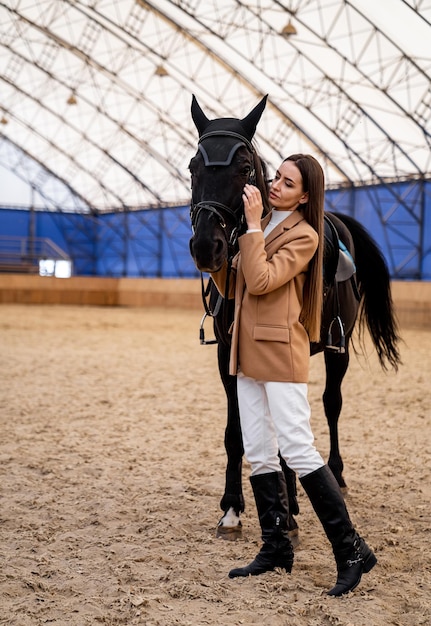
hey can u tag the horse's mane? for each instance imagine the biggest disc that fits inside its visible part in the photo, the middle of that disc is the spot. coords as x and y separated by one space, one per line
261 170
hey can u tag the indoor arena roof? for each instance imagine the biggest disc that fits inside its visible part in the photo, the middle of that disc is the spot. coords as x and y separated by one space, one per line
95 94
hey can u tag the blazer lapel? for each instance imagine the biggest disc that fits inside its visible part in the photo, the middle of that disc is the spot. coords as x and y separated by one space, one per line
286 224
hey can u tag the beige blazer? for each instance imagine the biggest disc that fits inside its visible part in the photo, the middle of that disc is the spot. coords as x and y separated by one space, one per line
268 275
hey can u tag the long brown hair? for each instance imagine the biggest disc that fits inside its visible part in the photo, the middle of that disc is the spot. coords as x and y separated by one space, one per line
313 182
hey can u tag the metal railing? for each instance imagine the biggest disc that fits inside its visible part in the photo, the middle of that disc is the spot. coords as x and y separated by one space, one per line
23 254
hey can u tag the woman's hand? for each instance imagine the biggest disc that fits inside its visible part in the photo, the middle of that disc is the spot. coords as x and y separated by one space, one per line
253 206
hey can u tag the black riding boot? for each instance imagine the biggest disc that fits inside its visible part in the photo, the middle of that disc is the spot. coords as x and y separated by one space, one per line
272 508
352 555
292 526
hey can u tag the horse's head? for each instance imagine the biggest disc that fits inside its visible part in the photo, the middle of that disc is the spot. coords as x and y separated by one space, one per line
224 163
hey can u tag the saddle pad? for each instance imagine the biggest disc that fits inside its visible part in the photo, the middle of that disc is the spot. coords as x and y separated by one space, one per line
346 266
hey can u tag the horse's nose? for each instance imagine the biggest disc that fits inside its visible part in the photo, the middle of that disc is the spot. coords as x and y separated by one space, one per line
208 254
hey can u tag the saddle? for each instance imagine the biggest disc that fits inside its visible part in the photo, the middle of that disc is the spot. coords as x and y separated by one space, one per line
339 264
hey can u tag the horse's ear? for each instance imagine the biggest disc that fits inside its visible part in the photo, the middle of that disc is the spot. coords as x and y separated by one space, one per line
200 119
250 122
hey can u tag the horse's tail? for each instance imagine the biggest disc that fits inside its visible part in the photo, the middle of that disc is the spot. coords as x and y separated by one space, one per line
377 310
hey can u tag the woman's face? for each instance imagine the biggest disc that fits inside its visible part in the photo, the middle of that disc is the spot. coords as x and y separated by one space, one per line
286 192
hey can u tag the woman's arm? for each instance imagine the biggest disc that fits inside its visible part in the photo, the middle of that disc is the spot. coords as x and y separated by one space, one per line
263 275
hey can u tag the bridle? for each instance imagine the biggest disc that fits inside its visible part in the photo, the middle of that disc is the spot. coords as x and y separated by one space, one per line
231 246
217 208
221 212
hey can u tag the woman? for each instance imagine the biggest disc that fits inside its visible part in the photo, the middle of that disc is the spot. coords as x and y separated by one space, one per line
278 300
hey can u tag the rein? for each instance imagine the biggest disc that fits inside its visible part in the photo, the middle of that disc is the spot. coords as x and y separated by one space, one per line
195 211
215 208
216 310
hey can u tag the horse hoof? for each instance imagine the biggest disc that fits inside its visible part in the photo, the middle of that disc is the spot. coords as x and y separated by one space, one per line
229 533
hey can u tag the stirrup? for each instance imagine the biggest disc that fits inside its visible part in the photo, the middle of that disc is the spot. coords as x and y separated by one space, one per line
341 347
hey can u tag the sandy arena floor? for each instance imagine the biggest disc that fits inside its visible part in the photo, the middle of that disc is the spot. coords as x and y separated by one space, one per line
112 467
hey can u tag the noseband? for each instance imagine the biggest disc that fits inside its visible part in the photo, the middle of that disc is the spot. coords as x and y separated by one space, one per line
216 209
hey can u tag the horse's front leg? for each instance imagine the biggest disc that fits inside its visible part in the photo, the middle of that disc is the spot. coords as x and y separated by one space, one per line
336 366
232 502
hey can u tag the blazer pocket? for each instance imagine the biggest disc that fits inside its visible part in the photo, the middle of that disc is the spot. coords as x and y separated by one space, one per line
271 333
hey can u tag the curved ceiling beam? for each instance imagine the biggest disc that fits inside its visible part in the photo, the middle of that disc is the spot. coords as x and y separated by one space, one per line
253 80
123 85
346 96
83 136
48 171
367 77
169 10
253 77
87 59
139 46
258 12
184 81
67 156
417 12
365 113
238 63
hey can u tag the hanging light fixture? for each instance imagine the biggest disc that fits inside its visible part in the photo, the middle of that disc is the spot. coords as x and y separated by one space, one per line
289 29
72 99
4 120
161 71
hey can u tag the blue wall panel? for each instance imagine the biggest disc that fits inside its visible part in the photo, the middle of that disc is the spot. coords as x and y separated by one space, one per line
145 243
14 223
155 242
398 216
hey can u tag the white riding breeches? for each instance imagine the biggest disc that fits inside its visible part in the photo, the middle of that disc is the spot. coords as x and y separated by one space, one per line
276 416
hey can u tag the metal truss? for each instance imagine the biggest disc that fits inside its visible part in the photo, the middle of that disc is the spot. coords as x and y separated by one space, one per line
98 94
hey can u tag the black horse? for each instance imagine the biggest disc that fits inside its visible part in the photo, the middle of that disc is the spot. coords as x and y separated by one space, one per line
356 287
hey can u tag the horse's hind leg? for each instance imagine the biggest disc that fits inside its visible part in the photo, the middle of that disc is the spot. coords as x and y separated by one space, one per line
336 367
